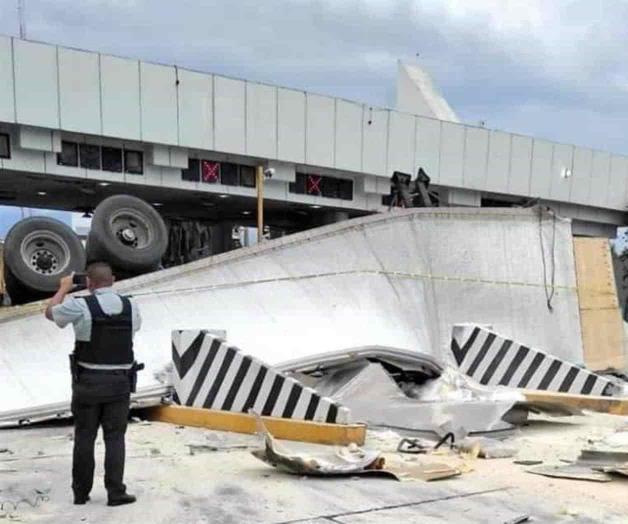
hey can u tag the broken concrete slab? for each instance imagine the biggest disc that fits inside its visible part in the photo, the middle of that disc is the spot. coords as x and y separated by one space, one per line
212 374
494 359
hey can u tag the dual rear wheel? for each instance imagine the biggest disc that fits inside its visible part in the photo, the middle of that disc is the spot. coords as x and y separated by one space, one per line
126 232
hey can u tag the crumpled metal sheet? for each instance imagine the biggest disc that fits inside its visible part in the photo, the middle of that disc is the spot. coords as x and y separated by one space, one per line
398 279
350 460
375 398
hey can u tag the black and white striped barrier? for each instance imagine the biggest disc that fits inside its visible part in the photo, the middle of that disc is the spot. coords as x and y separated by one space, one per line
494 360
209 373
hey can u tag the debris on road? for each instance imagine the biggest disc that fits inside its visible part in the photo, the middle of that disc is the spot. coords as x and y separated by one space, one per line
347 461
571 471
487 448
599 461
351 461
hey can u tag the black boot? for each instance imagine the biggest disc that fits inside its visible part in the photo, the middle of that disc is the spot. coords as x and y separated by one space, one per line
122 499
81 500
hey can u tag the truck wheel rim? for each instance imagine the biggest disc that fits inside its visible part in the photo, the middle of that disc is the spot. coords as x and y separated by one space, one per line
131 229
45 252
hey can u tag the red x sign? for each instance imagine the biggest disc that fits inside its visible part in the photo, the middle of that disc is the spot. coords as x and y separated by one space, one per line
313 185
210 171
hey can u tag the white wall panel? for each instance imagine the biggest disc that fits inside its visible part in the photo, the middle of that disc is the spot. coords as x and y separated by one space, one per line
261 120
159 103
7 101
520 165
540 177
348 141
229 115
582 166
35 138
368 184
120 92
498 170
196 120
319 136
153 176
170 177
600 177
401 143
451 154
178 158
79 91
36 88
25 160
616 194
475 158
291 125
427 154
158 155
375 130
560 188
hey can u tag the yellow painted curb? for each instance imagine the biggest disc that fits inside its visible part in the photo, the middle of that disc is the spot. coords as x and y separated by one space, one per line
281 428
611 405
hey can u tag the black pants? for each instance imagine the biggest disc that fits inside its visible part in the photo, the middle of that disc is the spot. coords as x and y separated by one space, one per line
99 400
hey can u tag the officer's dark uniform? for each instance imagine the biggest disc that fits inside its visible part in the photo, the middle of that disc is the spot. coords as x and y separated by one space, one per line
100 397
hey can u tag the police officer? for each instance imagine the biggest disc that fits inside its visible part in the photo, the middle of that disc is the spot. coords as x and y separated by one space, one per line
102 371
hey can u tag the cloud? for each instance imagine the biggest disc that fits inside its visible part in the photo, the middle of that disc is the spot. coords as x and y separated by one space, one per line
554 69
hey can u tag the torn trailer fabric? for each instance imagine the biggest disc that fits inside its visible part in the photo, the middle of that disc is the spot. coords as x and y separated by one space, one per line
387 279
495 360
209 373
407 394
374 397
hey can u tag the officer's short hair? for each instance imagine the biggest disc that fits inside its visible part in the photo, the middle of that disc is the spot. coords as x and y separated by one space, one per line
100 273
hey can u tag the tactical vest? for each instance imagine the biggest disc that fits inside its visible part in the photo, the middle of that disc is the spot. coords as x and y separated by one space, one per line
111 341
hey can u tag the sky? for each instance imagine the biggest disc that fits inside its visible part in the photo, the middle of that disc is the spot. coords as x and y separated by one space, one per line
552 69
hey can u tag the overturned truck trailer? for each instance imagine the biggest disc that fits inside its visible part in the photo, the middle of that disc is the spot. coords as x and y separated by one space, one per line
400 280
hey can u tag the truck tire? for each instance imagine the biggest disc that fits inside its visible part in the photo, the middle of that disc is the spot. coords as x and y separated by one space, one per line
38 251
127 233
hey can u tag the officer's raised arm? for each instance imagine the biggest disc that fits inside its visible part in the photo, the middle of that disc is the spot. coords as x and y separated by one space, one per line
65 286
